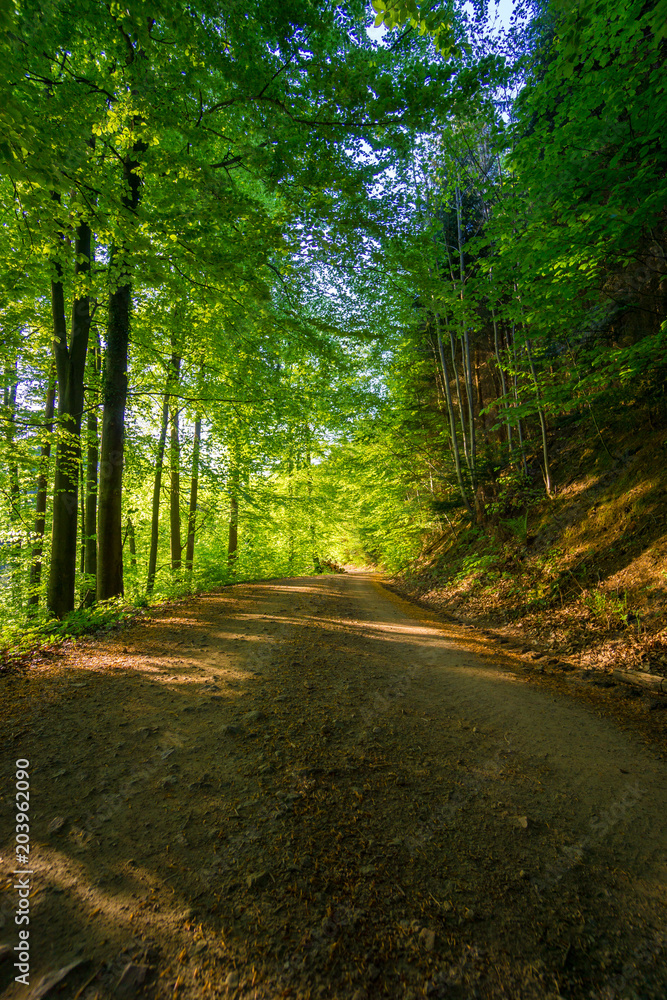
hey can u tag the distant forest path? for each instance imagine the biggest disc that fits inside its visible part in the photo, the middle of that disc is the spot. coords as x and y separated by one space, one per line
309 788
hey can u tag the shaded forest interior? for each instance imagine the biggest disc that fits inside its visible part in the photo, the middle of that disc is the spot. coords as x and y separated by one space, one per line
280 293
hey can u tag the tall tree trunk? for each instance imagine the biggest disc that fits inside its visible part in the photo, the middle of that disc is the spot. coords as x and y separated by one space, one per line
42 492
9 399
467 374
311 522
70 368
543 422
546 470
452 425
465 350
484 420
515 389
131 538
157 487
459 399
82 543
501 373
232 547
92 472
109 515
176 548
194 485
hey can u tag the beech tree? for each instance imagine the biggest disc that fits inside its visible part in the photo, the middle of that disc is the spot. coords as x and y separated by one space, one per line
244 257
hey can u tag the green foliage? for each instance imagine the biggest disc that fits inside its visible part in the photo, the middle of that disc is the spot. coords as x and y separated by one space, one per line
18 638
610 608
518 526
475 564
386 298
424 17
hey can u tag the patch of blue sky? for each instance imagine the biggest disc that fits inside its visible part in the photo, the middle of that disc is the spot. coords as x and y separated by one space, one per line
498 17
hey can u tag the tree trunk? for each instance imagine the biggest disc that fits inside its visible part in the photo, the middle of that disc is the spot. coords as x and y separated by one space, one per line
194 484
109 531
317 567
290 513
471 451
9 400
467 373
484 420
157 487
452 426
459 399
82 543
176 548
70 368
109 516
515 387
233 518
504 404
42 491
233 529
129 534
92 461
543 423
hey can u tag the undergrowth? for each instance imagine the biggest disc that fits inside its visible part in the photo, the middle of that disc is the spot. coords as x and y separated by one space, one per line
581 572
24 636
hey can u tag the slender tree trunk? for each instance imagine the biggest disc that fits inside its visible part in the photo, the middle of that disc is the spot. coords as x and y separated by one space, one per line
92 473
504 404
471 452
176 548
42 493
290 520
109 516
515 387
82 509
232 548
129 534
459 399
546 471
484 420
157 487
452 426
309 487
9 400
470 393
70 368
465 347
194 485
543 422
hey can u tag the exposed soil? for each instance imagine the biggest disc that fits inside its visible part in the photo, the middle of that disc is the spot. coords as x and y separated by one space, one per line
580 576
309 788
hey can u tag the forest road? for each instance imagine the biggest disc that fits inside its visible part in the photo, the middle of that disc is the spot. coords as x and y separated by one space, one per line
309 788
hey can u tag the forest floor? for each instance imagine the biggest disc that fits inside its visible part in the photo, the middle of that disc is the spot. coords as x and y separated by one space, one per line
310 788
579 581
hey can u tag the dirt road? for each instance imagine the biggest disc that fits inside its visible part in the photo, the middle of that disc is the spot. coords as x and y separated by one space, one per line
308 788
